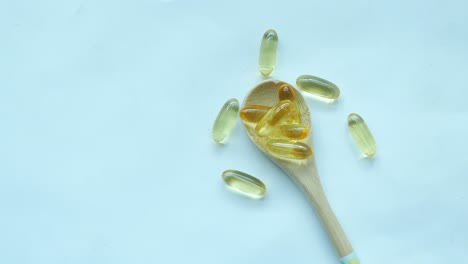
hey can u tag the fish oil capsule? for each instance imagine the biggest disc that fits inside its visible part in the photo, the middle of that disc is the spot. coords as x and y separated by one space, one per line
244 183
253 113
354 261
226 120
273 117
318 86
294 131
294 116
288 149
286 92
361 135
267 58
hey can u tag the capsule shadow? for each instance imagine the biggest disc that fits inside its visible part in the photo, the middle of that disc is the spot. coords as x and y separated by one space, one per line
262 78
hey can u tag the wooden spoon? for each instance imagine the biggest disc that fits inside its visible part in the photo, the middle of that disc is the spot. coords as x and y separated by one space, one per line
303 172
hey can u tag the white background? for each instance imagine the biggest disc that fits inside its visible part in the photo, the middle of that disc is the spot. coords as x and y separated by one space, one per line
106 110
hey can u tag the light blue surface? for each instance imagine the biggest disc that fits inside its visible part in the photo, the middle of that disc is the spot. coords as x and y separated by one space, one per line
105 116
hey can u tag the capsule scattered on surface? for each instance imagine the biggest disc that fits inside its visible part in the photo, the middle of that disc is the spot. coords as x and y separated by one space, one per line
354 261
244 183
361 135
253 113
288 149
273 117
267 58
225 121
318 86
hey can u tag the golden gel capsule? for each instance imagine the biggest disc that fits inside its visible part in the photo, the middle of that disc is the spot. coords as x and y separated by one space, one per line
286 92
226 120
294 131
273 117
294 116
361 135
244 183
318 86
253 113
288 149
267 58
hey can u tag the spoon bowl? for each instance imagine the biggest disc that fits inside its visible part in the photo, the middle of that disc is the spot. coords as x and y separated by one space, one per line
303 172
266 94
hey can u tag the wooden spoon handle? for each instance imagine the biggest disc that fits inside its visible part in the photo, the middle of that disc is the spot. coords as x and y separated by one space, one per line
313 190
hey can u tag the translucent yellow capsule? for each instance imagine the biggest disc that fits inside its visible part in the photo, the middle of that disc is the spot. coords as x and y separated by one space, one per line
354 261
286 92
318 86
288 149
273 117
226 120
244 183
294 116
253 113
362 135
294 131
267 58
